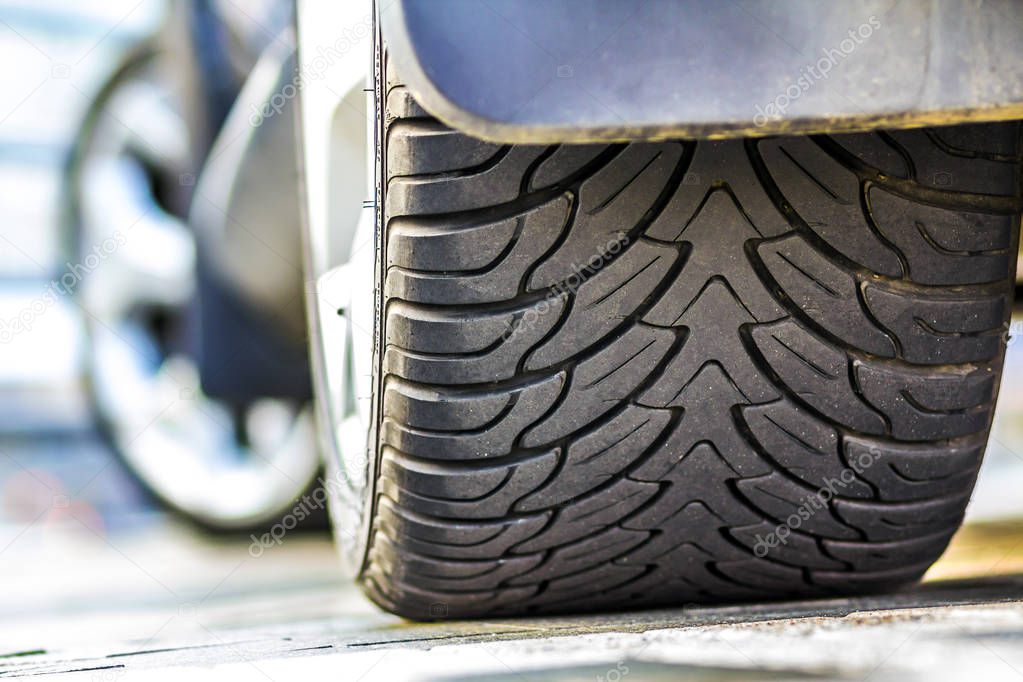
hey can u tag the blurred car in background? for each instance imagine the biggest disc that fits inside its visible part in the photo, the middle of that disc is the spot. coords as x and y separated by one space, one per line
193 213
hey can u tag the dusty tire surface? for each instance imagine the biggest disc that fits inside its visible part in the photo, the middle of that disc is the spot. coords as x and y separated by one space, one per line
620 376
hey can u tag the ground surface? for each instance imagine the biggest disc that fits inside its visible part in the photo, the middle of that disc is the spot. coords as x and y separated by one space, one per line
162 603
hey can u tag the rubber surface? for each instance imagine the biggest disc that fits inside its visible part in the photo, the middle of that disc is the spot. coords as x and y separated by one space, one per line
653 374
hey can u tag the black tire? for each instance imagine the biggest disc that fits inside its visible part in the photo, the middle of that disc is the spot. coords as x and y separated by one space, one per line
609 376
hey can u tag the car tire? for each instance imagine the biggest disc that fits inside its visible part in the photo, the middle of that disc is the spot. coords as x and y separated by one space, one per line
649 374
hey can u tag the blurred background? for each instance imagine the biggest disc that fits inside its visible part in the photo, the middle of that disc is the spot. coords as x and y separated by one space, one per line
81 521
141 466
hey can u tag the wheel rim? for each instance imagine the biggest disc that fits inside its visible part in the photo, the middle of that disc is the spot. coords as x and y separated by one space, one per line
338 128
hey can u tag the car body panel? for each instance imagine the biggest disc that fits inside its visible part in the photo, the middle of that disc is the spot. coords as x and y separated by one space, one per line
603 70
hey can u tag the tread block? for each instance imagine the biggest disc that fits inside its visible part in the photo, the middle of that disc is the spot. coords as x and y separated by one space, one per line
992 140
454 539
941 246
495 183
601 382
711 497
420 603
425 265
781 580
449 491
423 146
450 413
870 581
603 579
686 558
599 456
882 522
826 196
450 348
940 165
717 238
915 471
718 166
706 404
826 294
713 323
444 574
401 104
565 162
795 505
579 556
805 447
889 555
594 513
816 374
879 151
941 331
923 404
605 300
778 542
612 203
